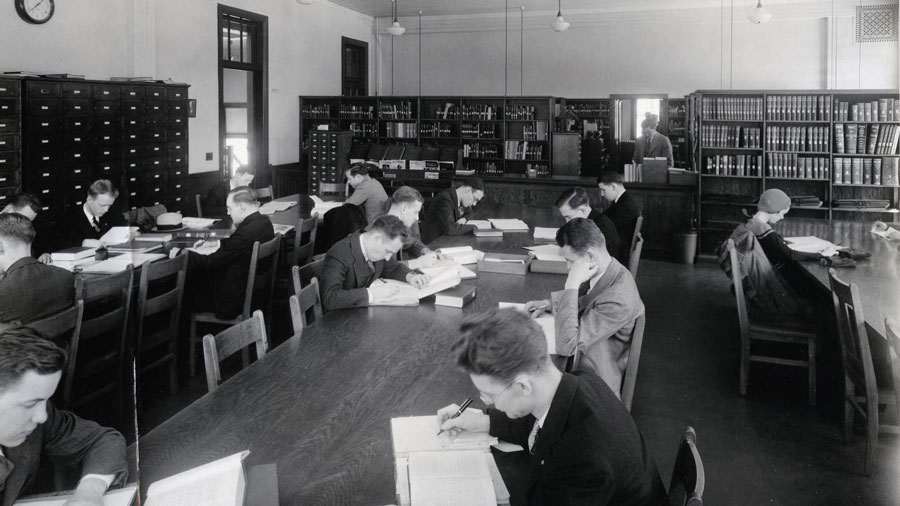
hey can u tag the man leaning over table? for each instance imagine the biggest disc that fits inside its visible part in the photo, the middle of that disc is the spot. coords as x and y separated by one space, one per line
446 212
355 262
405 203
585 448
31 427
85 226
601 322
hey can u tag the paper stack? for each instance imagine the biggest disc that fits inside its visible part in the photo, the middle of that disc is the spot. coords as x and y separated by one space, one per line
509 225
545 234
462 255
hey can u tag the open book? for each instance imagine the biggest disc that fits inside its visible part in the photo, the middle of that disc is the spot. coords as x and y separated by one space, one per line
442 265
812 244
509 224
219 483
545 321
548 252
275 206
410 295
462 255
118 497
118 235
480 224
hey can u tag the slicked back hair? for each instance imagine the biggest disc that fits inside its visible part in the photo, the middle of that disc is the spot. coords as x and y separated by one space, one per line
103 187
16 227
574 197
501 343
23 200
23 349
391 227
360 169
580 234
474 183
610 177
406 195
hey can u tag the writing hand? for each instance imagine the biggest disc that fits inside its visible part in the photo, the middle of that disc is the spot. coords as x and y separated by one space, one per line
536 308
470 420
579 272
427 259
417 280
383 291
199 243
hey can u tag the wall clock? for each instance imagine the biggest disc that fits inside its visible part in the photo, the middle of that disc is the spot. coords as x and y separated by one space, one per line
35 11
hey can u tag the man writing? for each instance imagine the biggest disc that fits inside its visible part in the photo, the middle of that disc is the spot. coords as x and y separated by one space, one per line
445 214
31 427
586 449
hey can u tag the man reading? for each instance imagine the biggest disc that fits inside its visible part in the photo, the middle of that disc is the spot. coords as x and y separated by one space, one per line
576 203
445 214
85 226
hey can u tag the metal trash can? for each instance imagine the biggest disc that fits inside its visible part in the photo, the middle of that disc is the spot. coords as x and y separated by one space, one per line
688 249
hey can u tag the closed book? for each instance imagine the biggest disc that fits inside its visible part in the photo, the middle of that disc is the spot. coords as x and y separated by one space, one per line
72 254
861 139
491 232
876 171
882 109
867 171
856 171
889 176
873 137
458 296
135 246
839 138
895 137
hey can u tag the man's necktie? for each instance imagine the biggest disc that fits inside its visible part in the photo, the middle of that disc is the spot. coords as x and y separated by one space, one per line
533 437
371 265
6 468
96 223
647 146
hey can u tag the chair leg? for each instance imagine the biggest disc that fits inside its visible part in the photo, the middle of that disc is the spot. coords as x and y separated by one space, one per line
745 370
871 433
192 345
811 350
848 409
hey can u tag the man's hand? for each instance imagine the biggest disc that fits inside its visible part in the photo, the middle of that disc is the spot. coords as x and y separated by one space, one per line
89 493
580 272
461 221
174 252
427 259
470 420
417 280
45 259
538 307
383 291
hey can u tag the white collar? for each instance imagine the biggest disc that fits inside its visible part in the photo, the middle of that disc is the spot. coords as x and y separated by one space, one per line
90 217
593 281
362 247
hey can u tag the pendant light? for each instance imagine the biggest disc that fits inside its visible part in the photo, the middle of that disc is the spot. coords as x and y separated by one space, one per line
395 29
760 15
559 24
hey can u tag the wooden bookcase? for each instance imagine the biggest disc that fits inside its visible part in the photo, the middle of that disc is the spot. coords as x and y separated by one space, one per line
590 117
797 141
676 130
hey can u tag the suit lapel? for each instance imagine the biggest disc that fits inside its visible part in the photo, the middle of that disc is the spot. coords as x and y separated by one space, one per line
23 457
360 268
455 200
553 426
602 284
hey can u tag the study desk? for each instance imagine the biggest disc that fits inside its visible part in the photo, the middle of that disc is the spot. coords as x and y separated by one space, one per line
320 407
877 278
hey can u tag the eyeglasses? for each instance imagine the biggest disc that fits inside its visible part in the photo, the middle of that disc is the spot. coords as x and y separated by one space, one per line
489 399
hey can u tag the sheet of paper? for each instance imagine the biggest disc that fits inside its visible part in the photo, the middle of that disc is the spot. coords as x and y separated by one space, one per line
207 248
219 483
441 280
550 252
881 229
121 262
419 433
545 321
118 235
282 229
276 206
812 244
480 224
194 222
119 497
450 479
462 255
505 447
509 224
544 233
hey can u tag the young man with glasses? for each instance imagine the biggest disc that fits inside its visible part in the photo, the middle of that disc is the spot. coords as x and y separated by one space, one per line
445 214
585 447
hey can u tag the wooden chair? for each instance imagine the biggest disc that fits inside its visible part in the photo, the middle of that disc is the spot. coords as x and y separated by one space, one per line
264 194
308 299
629 379
151 337
635 258
60 327
303 251
260 283
791 332
688 477
97 357
198 201
231 340
861 393
638 224
306 274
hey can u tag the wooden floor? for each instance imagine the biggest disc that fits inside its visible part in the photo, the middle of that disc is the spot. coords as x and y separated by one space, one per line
766 448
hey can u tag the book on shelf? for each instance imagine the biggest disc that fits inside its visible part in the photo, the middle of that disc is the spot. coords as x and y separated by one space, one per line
889 171
876 171
457 296
140 79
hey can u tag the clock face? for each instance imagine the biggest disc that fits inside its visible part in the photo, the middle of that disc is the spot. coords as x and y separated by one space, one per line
35 11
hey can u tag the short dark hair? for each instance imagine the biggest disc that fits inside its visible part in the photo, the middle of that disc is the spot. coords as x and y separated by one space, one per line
406 195
610 177
361 169
23 349
501 343
244 195
574 197
245 169
580 234
17 227
103 187
391 226
23 200
472 182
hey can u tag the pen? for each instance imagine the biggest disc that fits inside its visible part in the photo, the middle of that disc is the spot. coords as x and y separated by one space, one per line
458 412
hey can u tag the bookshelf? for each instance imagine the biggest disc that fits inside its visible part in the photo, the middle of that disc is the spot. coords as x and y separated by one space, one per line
834 152
589 117
677 131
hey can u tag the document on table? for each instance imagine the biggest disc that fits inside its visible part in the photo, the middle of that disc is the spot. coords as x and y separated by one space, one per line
509 224
442 280
462 255
418 433
450 479
549 252
439 268
275 206
480 224
119 263
321 207
118 235
282 229
545 234
206 248
197 223
812 244
545 321
218 483
119 497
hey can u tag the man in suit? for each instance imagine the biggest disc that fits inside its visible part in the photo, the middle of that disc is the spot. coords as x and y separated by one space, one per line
29 290
576 203
25 204
623 209
601 322
353 263
225 271
586 449
652 144
444 215
406 203
215 204
367 192
32 428
86 225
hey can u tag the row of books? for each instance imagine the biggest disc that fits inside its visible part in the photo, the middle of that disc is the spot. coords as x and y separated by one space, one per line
485 167
798 107
789 165
730 136
321 111
861 203
874 171
446 111
364 129
806 201
436 130
521 112
866 139
479 130
588 109
883 109
734 165
480 111
797 138
352 111
733 108
536 132
522 150
404 130
402 110
481 150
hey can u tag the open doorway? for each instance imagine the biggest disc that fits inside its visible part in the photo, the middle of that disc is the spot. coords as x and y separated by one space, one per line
628 112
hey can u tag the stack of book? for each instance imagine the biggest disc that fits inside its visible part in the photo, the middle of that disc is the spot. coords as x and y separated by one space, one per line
869 171
70 258
805 201
884 109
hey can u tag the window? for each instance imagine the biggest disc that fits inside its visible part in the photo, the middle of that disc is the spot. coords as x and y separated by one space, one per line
354 67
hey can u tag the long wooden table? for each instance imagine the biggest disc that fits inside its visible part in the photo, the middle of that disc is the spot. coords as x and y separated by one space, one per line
877 278
320 407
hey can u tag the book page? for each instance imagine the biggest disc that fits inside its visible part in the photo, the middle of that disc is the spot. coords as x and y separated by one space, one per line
274 206
812 244
118 235
219 483
509 223
548 234
550 252
480 224
419 433
450 479
448 278
455 249
118 497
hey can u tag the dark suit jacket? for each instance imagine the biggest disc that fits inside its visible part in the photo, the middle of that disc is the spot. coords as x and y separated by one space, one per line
337 224
66 438
214 205
74 227
659 146
31 290
589 451
346 275
608 229
227 269
624 215
441 215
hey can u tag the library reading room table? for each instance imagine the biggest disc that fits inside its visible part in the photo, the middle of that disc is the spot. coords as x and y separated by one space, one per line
320 407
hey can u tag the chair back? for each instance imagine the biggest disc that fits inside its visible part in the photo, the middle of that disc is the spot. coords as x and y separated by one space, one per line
688 477
160 290
305 240
338 223
737 279
892 332
638 223
264 194
635 258
307 273
308 299
261 276
231 340
634 359
198 201
855 353
61 326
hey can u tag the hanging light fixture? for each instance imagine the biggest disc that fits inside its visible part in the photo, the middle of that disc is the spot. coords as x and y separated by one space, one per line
395 29
760 15
559 24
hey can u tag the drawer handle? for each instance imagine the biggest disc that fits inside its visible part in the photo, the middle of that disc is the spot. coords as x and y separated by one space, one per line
48 124
178 160
45 91
106 153
105 107
2 125
3 160
76 92
132 93
156 163
43 107
45 174
2 179
77 139
2 89
106 137
105 92
77 107
77 171
78 187
45 141
46 158
77 155
77 123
